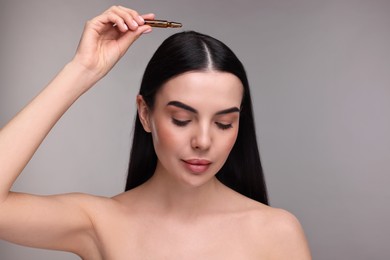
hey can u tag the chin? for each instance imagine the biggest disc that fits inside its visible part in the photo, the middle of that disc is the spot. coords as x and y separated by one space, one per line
197 180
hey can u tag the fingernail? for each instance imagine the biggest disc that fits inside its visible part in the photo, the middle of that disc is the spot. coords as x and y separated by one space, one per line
147 31
134 23
142 19
125 25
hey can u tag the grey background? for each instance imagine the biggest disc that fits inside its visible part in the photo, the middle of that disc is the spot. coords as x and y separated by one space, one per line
320 78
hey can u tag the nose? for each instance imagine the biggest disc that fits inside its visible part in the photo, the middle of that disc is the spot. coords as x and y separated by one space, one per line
201 139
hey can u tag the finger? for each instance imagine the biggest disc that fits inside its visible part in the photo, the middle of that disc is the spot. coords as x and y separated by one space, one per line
130 15
149 16
124 18
107 20
146 29
119 22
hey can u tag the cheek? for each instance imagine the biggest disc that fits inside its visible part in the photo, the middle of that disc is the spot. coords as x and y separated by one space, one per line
231 141
164 137
227 143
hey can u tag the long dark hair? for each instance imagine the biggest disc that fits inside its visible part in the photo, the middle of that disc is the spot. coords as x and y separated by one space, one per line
192 51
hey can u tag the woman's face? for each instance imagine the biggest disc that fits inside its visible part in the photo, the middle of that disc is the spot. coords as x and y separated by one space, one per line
194 125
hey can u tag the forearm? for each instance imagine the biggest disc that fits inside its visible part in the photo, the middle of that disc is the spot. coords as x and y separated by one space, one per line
21 137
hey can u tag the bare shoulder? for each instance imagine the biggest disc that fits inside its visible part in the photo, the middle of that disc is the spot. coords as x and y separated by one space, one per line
98 206
283 232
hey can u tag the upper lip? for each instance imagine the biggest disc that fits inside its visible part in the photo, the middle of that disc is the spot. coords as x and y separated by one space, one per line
197 161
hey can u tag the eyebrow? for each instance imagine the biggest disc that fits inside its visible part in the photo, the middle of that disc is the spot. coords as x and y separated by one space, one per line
193 110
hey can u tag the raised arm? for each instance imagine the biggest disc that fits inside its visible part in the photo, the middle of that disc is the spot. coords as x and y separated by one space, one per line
105 40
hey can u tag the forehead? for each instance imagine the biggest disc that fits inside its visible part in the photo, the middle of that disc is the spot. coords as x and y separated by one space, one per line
199 88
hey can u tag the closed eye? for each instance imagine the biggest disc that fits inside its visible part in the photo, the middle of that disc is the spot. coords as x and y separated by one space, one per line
223 126
180 123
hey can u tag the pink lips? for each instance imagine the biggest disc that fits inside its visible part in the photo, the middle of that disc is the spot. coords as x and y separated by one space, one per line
197 165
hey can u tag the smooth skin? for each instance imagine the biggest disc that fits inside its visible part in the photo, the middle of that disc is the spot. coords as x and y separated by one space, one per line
183 211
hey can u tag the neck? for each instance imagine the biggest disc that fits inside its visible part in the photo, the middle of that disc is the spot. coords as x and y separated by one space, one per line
171 197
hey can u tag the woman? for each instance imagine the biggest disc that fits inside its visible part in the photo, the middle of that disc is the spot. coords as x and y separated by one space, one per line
193 159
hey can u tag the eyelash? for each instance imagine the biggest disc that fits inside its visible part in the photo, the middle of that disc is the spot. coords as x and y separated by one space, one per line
181 123
223 126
